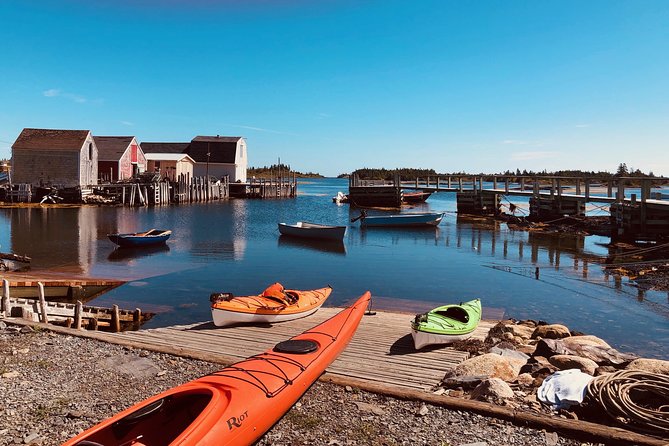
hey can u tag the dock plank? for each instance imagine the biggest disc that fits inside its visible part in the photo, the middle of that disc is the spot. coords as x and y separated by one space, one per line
381 350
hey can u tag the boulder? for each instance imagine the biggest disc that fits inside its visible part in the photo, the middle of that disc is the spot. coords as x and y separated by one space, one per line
490 365
586 340
521 331
552 331
510 353
525 379
492 389
601 355
650 365
564 362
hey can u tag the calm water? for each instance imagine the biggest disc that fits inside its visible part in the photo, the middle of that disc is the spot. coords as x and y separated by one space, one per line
235 246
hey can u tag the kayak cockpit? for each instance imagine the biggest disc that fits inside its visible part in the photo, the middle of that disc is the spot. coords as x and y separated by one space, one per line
159 422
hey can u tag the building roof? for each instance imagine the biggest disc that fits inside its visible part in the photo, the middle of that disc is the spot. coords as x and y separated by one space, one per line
167 157
112 148
164 147
221 149
51 139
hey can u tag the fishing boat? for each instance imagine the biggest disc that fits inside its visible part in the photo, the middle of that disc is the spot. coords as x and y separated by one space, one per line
312 230
147 238
236 405
446 324
340 198
275 304
408 219
415 197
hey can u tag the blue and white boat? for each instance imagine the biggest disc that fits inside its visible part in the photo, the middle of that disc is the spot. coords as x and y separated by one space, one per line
147 238
408 219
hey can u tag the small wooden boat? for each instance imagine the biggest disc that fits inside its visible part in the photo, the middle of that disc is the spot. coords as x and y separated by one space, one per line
236 405
446 324
408 219
313 230
275 304
147 238
415 197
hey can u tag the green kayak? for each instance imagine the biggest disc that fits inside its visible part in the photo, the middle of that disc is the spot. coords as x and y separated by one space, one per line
446 324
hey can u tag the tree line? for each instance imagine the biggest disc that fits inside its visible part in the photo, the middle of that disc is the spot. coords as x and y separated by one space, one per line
278 169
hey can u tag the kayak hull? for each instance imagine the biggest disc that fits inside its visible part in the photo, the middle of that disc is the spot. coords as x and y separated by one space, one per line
261 309
446 324
236 405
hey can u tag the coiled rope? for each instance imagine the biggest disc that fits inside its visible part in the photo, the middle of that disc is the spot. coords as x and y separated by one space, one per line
634 398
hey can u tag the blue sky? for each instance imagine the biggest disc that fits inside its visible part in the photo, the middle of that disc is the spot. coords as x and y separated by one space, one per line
332 86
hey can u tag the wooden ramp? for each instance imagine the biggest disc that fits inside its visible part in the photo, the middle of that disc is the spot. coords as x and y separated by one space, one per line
381 351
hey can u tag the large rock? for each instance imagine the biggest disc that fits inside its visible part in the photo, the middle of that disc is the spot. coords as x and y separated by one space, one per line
650 365
552 331
601 355
490 365
586 340
564 362
492 389
521 331
508 352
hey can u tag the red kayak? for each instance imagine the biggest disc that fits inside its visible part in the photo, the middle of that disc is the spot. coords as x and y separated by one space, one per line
236 405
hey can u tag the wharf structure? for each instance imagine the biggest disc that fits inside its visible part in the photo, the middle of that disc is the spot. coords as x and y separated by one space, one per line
643 214
50 165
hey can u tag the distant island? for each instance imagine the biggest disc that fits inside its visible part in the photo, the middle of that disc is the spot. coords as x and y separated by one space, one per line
408 174
276 170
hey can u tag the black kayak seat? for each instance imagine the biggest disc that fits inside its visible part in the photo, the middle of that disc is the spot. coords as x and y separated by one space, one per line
456 313
296 346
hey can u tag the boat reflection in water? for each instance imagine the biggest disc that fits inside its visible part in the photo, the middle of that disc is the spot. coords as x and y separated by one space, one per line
127 253
331 246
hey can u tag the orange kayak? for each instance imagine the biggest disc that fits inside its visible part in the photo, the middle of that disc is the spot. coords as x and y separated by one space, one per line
236 405
275 304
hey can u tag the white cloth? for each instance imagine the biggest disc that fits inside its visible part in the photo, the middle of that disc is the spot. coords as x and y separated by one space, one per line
564 388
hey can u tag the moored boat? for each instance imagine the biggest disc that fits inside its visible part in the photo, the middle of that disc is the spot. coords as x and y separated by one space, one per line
146 238
274 304
312 230
408 219
415 197
446 324
238 404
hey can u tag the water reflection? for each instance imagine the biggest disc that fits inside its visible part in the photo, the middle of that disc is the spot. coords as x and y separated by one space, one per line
327 246
126 253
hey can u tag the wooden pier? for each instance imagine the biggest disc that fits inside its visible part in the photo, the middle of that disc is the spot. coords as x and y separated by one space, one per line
638 216
381 351
71 315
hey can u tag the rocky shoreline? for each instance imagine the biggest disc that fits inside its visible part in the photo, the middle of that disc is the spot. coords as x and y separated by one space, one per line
53 386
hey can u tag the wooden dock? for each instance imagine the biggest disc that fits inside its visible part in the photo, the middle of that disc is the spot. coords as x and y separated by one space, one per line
381 351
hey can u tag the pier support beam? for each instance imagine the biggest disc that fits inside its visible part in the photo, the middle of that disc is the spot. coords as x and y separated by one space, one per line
477 202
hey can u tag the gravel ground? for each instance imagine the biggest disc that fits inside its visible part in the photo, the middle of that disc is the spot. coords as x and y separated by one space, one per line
53 386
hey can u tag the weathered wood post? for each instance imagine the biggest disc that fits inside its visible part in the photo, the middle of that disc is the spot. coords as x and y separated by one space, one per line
506 185
609 188
78 309
620 191
93 324
5 297
136 319
42 303
587 189
115 320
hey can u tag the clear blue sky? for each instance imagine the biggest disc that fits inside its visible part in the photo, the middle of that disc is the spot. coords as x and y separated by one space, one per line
331 86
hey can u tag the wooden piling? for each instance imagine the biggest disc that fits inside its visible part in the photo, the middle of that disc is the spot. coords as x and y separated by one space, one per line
5 296
115 320
42 303
77 315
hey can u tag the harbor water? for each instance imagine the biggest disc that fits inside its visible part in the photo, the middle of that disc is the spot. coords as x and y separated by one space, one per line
234 246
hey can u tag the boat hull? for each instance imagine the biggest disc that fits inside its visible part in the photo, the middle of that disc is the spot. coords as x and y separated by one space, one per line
430 219
263 310
139 239
238 404
312 231
423 339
